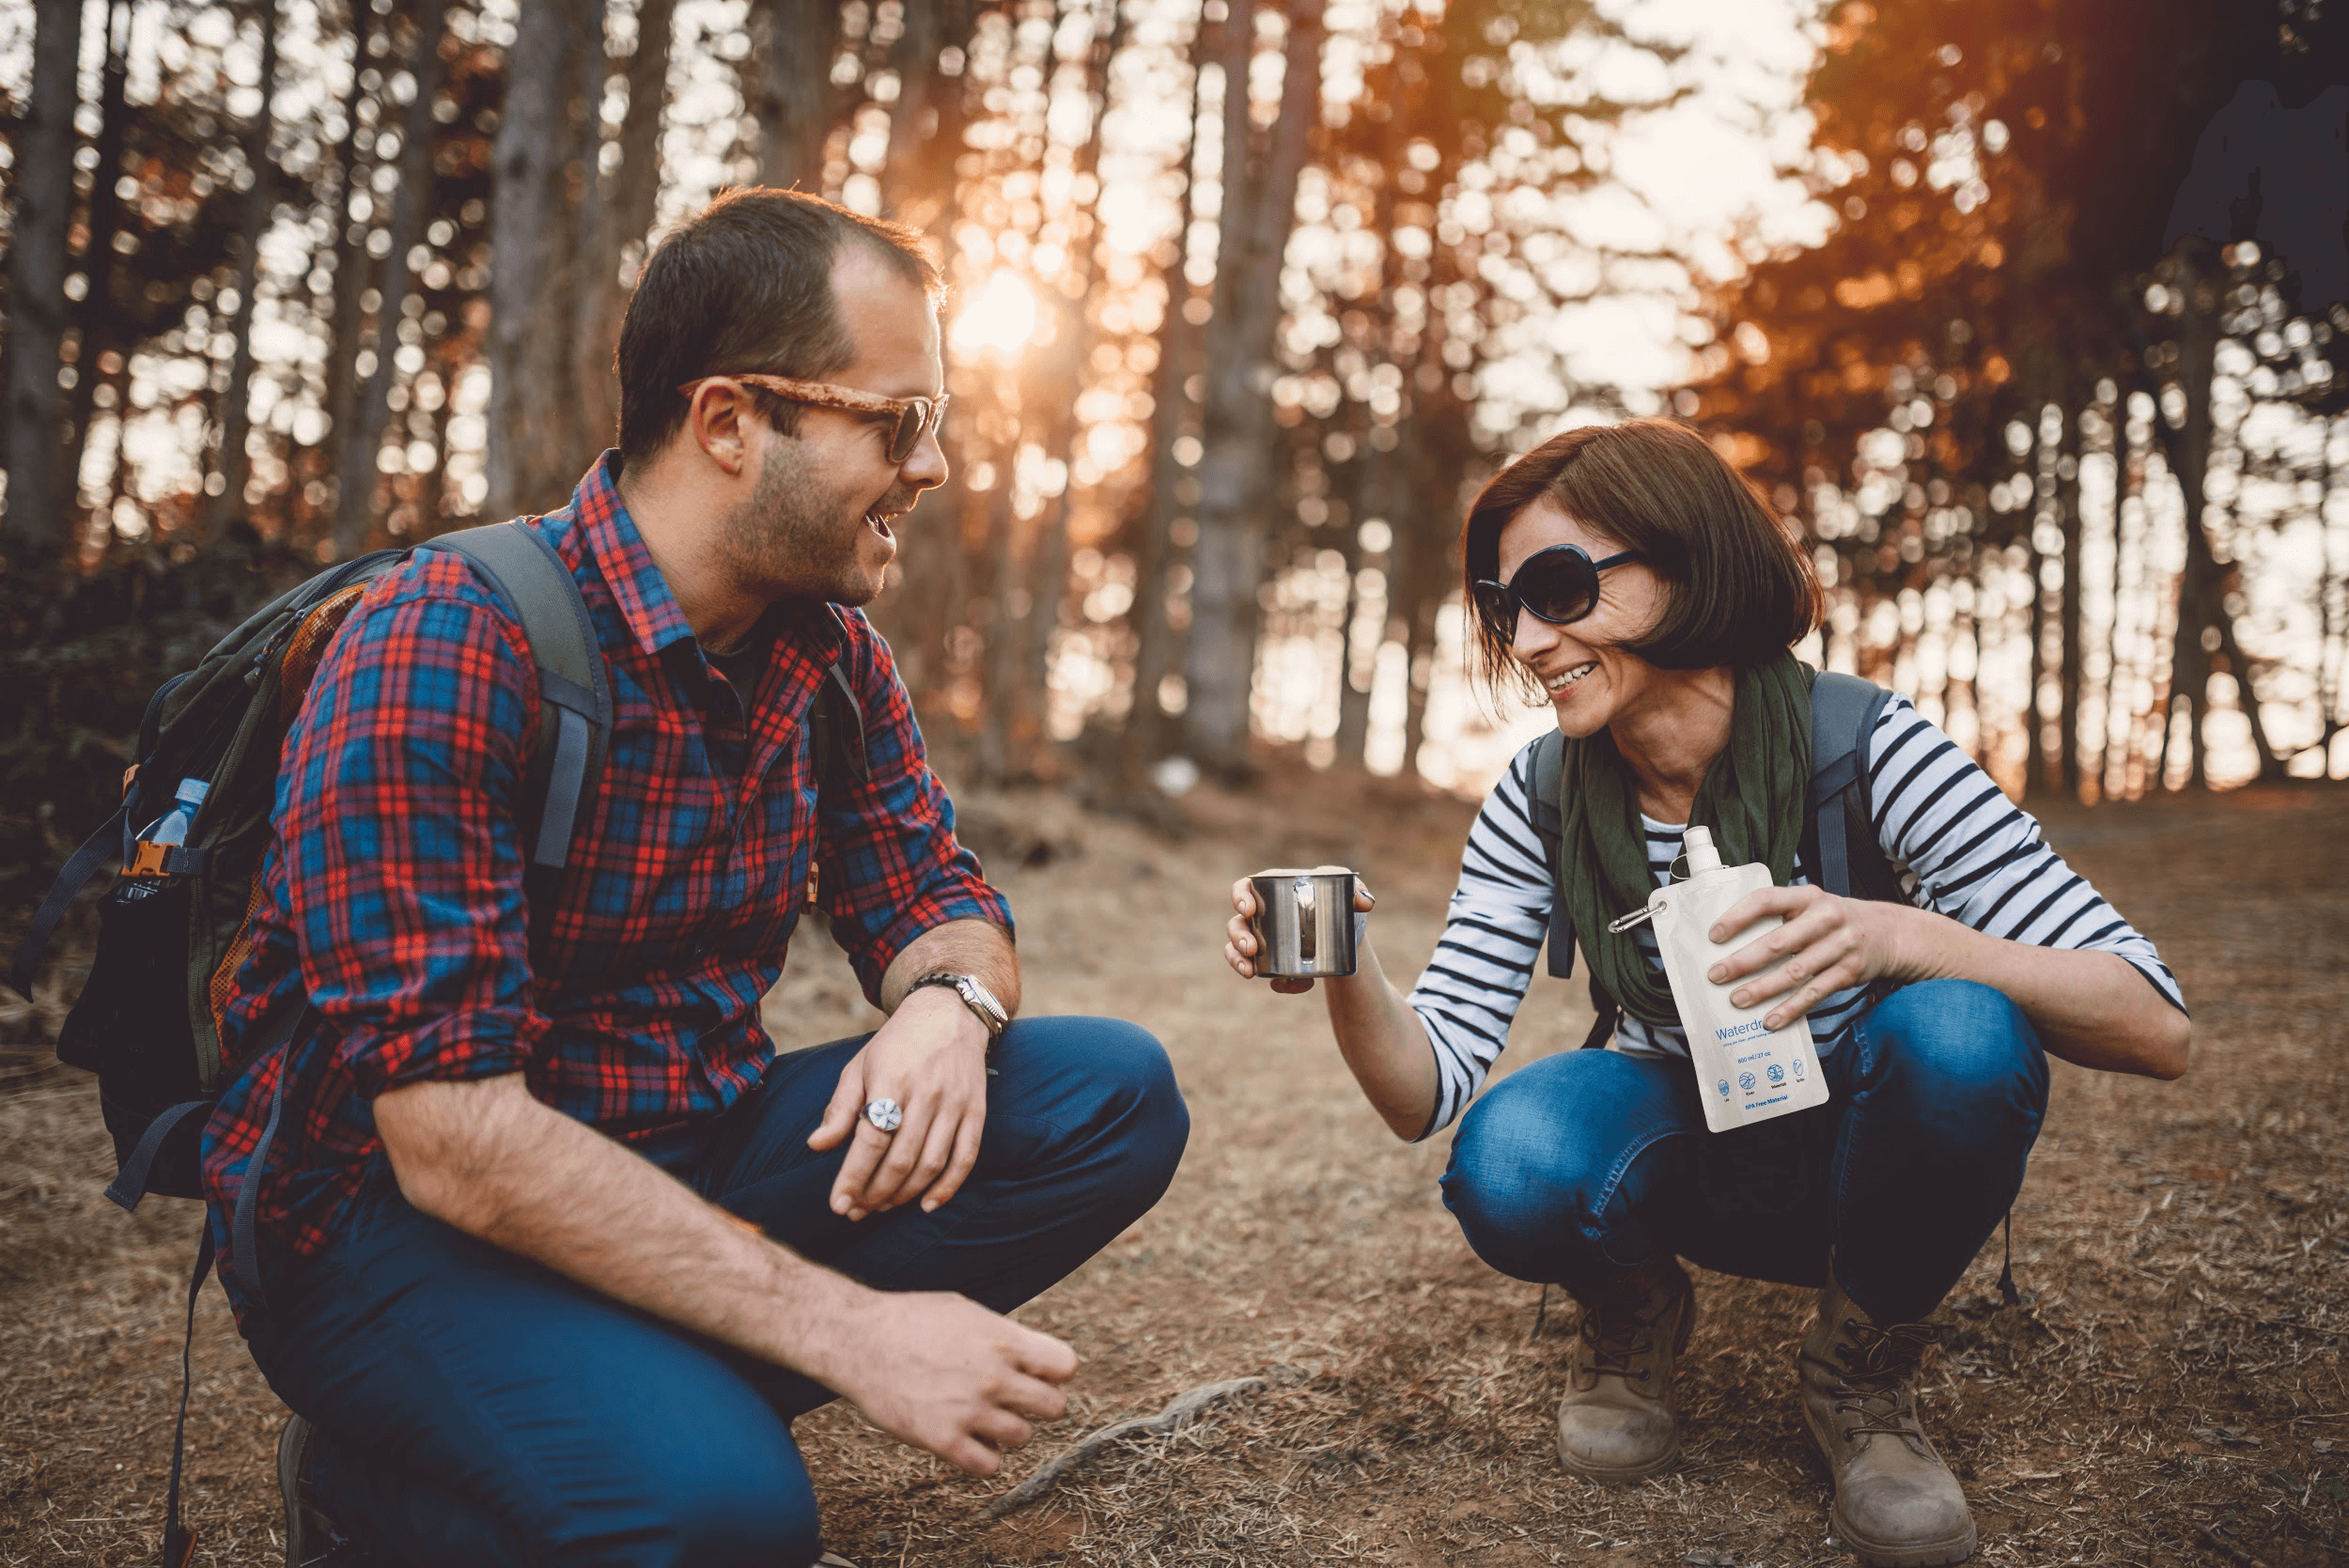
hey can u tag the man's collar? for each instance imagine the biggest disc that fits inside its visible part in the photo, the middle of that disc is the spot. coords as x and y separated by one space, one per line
651 610
653 615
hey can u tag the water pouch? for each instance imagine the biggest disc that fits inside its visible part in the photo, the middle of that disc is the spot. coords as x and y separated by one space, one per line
1746 1073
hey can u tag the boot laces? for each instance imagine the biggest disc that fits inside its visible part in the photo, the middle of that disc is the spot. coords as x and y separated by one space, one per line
1621 1340
1876 1363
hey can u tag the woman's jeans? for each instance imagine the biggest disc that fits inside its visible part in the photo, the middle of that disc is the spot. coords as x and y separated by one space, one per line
476 1411
1578 1168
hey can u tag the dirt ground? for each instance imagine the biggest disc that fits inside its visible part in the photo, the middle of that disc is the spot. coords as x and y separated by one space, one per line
2170 1393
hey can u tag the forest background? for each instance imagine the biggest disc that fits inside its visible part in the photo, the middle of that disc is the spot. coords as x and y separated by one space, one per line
1248 297
2028 314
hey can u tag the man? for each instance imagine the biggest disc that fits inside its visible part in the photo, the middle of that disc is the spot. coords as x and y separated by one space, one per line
553 1246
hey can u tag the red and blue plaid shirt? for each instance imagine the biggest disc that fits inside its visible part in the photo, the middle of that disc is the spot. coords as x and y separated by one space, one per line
392 893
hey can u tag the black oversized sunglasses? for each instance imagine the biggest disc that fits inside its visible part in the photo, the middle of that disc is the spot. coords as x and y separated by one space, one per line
1559 584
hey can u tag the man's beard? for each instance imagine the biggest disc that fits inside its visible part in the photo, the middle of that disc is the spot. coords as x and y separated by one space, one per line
787 538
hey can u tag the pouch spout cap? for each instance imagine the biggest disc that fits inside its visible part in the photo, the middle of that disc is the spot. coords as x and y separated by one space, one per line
1698 845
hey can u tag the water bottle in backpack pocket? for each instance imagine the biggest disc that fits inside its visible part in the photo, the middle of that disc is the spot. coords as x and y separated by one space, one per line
1746 1073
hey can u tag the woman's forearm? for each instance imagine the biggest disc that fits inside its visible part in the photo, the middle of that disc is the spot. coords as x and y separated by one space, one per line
1385 1045
2091 1008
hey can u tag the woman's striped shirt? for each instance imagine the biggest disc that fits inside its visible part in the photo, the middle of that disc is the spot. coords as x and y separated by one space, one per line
1960 848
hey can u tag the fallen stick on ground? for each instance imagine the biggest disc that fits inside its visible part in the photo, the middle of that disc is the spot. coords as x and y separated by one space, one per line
2228 1551
1180 1412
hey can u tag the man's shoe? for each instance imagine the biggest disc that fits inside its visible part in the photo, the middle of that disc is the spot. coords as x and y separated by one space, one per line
1617 1421
1896 1504
311 1538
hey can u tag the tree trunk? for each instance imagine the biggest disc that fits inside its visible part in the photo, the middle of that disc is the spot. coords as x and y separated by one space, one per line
40 511
236 416
2107 786
1016 699
2189 660
1236 475
793 99
1142 740
1360 490
355 491
620 215
95 322
1418 640
2034 722
2068 611
350 253
1368 475
914 120
530 392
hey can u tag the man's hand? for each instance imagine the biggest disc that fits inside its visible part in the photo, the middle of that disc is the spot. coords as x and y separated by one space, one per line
930 1057
1829 944
942 1372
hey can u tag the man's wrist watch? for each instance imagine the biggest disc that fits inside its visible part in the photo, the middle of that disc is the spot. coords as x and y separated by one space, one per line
974 995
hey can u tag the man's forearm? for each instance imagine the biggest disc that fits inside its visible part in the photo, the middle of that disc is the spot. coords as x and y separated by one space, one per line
974 947
488 1158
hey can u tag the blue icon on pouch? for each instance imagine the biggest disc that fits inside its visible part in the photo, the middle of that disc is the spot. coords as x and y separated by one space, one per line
1797 1069
1777 1074
1745 1082
1723 1087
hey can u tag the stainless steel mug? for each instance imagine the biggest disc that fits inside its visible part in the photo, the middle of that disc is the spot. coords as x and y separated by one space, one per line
1305 923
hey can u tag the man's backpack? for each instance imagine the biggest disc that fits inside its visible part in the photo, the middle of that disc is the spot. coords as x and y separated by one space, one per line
175 928
1839 837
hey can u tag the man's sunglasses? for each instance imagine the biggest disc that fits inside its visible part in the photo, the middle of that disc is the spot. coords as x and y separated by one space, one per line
913 419
1559 585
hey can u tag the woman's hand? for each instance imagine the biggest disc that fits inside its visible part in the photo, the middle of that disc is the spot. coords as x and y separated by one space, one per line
1240 941
1827 944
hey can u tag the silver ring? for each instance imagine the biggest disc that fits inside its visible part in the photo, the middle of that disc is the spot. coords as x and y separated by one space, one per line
885 1115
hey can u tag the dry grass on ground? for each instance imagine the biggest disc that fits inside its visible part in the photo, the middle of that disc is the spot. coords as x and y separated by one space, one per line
2171 1393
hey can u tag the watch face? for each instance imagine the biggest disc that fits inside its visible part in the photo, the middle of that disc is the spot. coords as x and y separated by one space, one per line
974 995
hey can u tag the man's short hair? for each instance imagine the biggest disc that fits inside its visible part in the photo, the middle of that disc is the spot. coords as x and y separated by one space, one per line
746 284
1739 587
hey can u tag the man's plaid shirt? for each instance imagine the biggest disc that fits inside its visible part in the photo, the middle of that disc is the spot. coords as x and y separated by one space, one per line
392 893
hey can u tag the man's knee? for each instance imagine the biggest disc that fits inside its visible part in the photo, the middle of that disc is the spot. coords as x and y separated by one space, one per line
1961 1056
1117 1083
743 1502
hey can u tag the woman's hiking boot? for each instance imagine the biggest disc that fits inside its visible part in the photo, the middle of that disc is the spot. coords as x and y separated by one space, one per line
1616 1421
1896 1504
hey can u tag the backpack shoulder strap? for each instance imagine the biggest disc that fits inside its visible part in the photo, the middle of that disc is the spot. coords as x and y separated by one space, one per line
574 688
1549 762
1844 713
834 719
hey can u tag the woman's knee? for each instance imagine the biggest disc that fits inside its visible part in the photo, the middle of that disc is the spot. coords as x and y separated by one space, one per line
1956 1048
1524 1183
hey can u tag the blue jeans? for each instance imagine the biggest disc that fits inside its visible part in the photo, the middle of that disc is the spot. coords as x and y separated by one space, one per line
1579 1168
475 1408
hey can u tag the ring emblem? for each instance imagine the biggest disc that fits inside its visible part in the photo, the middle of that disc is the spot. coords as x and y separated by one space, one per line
885 1115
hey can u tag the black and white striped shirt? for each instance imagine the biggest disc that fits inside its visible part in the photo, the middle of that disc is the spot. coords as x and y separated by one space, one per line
1960 848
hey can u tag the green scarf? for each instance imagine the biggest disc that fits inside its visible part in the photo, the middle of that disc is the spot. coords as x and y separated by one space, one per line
1753 798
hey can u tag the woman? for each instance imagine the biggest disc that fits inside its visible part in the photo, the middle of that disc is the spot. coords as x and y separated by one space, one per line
1629 576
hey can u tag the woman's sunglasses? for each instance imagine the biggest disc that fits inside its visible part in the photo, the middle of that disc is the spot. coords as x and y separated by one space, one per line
912 419
1559 585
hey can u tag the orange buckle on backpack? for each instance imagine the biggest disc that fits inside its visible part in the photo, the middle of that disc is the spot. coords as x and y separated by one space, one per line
148 859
